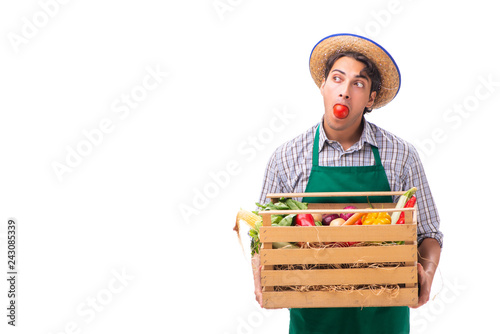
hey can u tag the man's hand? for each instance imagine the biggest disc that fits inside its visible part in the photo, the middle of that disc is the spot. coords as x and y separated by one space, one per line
256 267
428 260
425 283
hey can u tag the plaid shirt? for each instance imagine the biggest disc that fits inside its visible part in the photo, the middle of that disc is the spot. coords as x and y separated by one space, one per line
289 168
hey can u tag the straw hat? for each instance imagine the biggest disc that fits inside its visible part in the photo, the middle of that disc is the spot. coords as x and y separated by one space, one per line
337 43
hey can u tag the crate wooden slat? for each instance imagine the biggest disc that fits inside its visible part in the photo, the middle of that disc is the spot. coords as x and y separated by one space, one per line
339 207
338 233
363 298
378 248
340 276
359 255
266 220
338 194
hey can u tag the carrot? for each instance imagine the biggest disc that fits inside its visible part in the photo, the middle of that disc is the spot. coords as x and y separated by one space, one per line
354 218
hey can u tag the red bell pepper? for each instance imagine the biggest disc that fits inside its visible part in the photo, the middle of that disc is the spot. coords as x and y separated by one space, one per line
304 219
410 204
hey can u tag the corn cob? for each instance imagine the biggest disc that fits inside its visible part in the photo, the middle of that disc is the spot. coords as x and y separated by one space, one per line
248 217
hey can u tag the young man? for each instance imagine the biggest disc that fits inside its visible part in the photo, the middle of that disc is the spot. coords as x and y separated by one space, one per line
344 152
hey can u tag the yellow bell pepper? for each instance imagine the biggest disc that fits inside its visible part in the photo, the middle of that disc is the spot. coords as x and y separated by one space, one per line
376 218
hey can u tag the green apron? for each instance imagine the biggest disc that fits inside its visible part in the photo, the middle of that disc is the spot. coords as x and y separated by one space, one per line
352 320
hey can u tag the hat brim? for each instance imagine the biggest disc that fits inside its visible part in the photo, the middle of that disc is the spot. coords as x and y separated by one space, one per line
338 43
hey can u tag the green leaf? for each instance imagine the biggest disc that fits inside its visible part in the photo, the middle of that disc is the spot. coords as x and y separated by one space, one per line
281 206
302 206
291 204
254 246
287 220
275 219
260 205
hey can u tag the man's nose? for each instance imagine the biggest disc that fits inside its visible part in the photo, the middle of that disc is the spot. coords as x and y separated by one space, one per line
344 92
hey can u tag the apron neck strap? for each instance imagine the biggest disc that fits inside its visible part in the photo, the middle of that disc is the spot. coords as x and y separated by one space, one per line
315 147
376 154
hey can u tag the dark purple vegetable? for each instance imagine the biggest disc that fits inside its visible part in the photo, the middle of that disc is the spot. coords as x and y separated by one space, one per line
327 219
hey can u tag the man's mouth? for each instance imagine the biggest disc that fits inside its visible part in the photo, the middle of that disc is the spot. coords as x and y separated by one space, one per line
340 111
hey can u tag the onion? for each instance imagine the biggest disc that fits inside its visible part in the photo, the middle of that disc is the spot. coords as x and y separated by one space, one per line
346 216
327 219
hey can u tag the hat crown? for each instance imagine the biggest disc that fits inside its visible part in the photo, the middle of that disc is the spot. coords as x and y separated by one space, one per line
339 43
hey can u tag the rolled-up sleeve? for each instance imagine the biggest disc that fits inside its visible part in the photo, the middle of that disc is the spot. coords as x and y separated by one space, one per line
427 213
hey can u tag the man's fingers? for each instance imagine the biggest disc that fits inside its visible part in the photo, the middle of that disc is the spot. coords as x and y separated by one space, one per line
257 267
423 287
258 298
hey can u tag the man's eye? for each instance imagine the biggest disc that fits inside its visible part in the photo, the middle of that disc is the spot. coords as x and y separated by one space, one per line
359 84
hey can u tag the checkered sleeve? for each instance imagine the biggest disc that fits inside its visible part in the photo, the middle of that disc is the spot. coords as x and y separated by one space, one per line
427 214
271 183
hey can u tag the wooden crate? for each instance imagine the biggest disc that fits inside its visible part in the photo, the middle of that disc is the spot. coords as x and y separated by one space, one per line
374 279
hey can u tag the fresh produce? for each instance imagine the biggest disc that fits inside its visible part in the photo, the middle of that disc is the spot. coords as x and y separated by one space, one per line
294 205
337 222
277 245
410 204
346 216
248 217
282 220
254 234
376 218
327 219
401 203
318 217
354 218
340 111
304 219
254 220
283 204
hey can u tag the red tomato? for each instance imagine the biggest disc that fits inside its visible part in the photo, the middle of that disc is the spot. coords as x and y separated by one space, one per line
340 111
304 219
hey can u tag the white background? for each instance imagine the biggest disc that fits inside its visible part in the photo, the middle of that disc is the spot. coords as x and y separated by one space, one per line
230 68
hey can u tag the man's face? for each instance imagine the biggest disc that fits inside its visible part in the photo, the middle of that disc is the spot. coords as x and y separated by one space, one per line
347 85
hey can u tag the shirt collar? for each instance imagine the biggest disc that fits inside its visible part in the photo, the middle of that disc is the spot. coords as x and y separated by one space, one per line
367 136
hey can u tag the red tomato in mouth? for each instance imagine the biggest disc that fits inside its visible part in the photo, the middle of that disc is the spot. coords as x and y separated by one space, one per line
340 111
